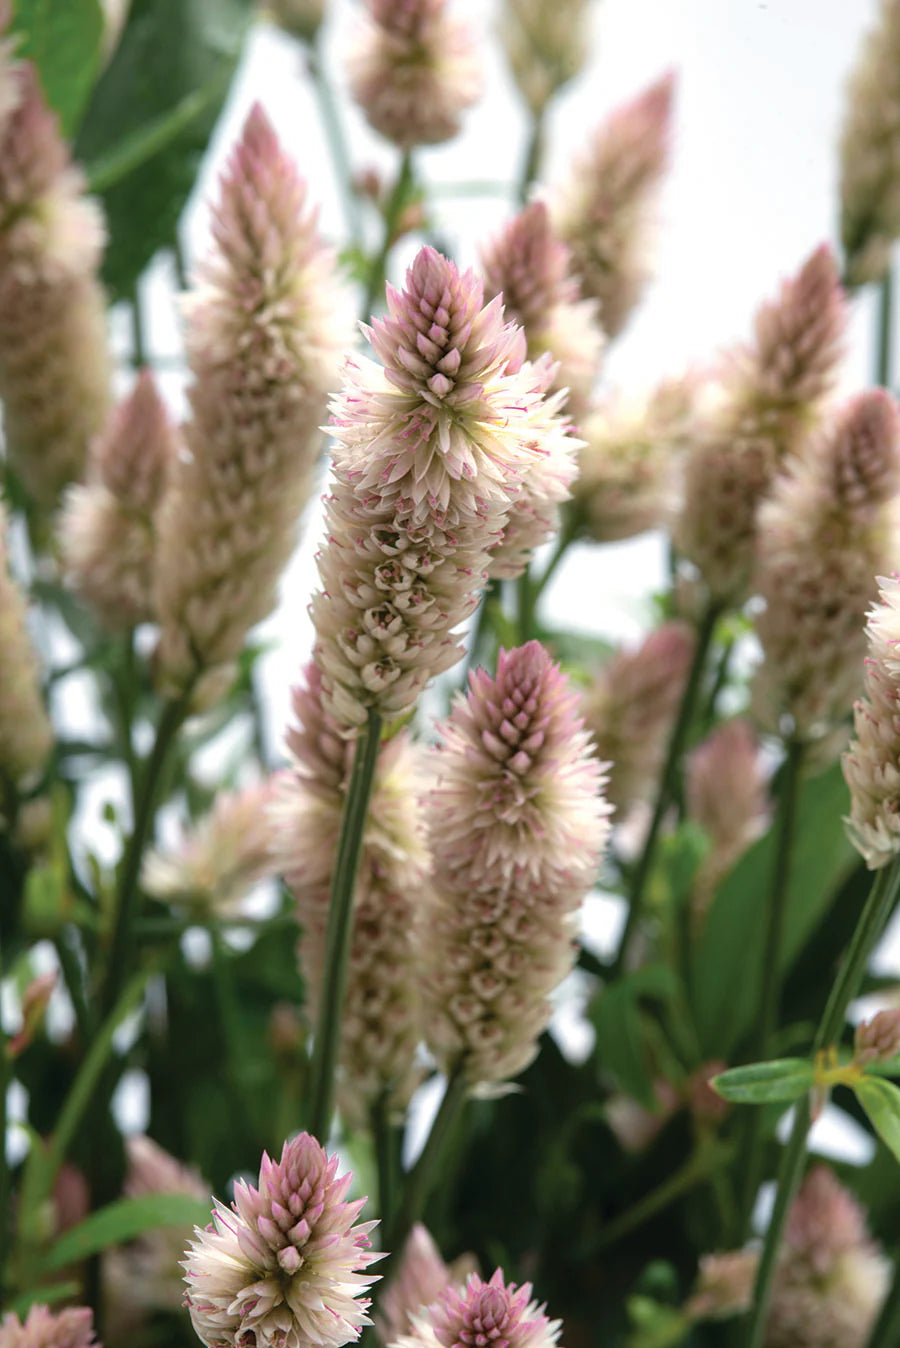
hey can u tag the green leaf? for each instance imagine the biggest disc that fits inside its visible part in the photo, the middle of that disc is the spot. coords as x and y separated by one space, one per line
762 1083
63 39
890 1067
881 1101
151 117
727 959
620 1046
122 1221
47 1296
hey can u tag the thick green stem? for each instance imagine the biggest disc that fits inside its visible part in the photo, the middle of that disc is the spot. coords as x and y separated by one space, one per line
534 151
524 608
420 1180
696 1169
337 142
667 781
378 269
773 943
884 355
124 938
340 925
879 905
383 1135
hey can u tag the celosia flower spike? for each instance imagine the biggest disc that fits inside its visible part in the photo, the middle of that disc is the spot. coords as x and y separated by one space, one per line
546 46
870 152
517 825
265 330
605 211
380 1024
872 762
430 453
43 1328
490 1314
773 392
528 266
284 1266
414 70
25 732
107 531
830 527
421 1277
55 373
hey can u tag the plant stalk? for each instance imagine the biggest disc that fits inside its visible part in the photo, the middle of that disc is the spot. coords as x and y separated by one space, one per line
378 270
382 1133
420 1180
884 354
340 925
667 781
695 1169
534 152
869 928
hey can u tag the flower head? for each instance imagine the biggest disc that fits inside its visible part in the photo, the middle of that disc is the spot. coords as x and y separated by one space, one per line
25 732
545 45
414 70
421 1277
605 211
872 763
265 329
488 1314
517 825
43 1328
283 1267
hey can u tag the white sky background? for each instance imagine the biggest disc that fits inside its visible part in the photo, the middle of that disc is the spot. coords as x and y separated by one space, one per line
752 190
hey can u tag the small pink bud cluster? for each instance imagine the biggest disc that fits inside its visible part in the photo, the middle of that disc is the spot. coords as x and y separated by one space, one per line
830 526
414 70
529 267
773 392
546 46
830 1281
487 1314
517 825
218 860
431 450
54 358
421 1277
381 1021
43 1328
629 469
25 732
605 211
284 1266
107 531
726 789
265 330
872 762
878 1039
630 707
870 152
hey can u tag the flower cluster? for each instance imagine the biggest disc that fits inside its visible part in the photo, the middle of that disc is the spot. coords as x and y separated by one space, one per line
43 1328
830 526
265 332
421 1277
284 1266
517 825
630 708
529 266
490 1314
107 531
870 152
54 359
414 70
773 391
25 731
381 1022
605 210
872 762
430 453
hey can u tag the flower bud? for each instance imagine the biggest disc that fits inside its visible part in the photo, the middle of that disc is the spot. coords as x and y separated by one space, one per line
546 46
878 1039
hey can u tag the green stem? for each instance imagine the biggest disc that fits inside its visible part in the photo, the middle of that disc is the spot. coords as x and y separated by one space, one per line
566 538
886 1333
534 151
124 939
340 925
138 342
524 608
74 980
878 908
695 1169
337 142
666 788
378 269
420 1180
773 944
383 1135
883 359
122 681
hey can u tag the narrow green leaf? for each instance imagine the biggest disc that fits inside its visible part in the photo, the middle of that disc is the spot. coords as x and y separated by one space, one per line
761 1083
123 1221
63 39
148 140
881 1101
890 1067
45 1296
